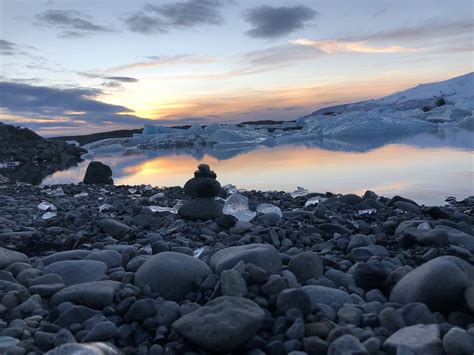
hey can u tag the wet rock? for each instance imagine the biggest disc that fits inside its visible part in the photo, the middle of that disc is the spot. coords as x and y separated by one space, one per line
9 257
306 266
96 294
77 271
115 228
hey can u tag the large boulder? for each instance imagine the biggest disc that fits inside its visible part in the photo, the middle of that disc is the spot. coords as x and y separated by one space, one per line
223 324
77 254
262 255
8 257
98 173
440 284
172 275
77 271
420 339
96 294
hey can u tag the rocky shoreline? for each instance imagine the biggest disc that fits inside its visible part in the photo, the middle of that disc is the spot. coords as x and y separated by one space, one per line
26 156
117 268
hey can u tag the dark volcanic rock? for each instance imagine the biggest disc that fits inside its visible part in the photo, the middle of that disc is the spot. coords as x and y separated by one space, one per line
223 324
98 173
171 275
440 284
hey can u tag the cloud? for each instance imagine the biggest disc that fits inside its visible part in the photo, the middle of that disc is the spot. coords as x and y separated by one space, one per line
427 30
336 46
41 103
158 61
272 22
279 55
123 79
8 48
186 14
72 24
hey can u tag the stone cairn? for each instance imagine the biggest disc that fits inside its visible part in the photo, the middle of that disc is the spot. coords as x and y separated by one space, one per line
202 189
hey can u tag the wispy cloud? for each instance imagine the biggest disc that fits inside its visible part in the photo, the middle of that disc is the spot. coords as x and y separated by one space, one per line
273 22
428 29
70 23
159 61
186 14
336 46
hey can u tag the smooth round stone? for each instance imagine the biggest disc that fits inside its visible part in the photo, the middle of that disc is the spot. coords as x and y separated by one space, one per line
223 324
347 344
101 331
201 209
77 271
65 255
202 187
171 275
293 298
458 342
350 199
9 257
326 295
110 257
115 228
420 339
7 342
262 255
440 284
306 265
96 294
85 349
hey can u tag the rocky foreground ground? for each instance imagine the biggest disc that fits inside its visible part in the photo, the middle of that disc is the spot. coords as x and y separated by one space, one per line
93 264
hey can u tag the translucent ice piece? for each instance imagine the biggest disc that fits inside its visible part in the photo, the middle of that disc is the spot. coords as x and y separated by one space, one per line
300 191
49 215
56 192
45 206
231 189
424 226
132 190
157 196
197 253
82 194
173 209
314 201
237 205
269 208
368 211
105 207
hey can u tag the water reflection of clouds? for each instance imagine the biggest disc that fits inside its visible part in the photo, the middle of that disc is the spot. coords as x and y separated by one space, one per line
424 174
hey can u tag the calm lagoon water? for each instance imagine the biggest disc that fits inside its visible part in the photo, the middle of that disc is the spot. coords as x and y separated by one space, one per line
426 168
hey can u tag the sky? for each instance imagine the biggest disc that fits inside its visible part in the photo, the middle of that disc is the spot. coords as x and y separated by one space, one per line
72 67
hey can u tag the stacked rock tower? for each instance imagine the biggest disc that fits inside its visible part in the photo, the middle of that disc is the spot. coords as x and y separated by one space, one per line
202 189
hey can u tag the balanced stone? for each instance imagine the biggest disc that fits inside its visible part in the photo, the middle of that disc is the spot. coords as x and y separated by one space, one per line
202 189
98 173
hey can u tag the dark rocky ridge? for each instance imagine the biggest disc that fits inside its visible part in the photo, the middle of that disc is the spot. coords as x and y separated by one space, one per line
31 157
317 280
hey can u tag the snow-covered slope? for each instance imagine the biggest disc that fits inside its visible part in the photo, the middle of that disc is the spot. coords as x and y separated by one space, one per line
458 91
452 90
